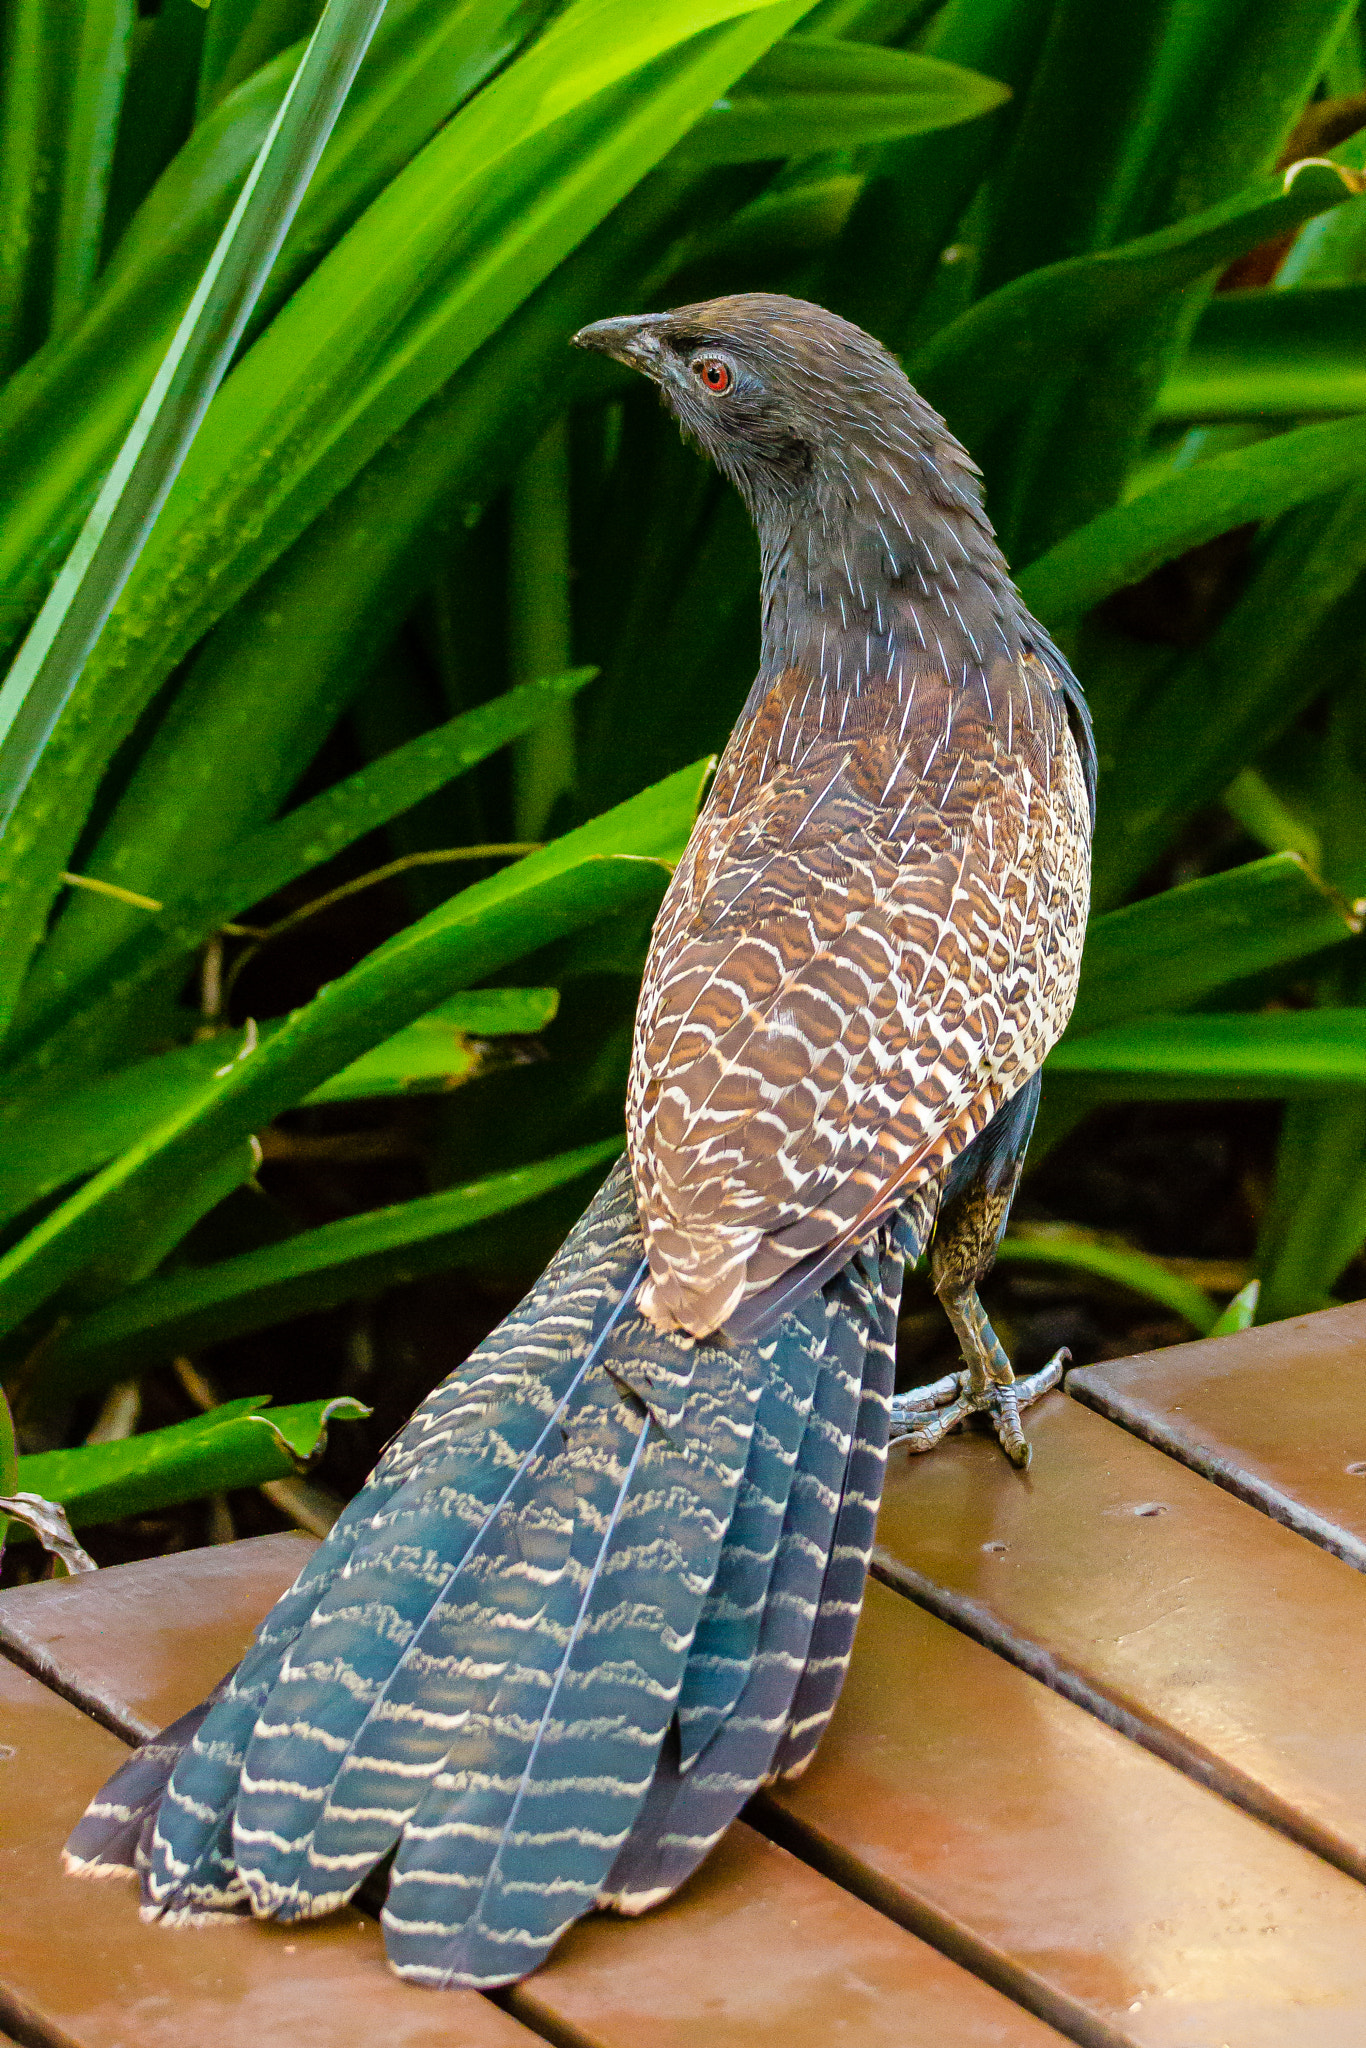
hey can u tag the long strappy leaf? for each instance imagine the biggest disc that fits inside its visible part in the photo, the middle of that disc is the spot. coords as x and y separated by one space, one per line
51 658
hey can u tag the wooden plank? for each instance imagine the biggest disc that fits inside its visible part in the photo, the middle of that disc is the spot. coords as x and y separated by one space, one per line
124 1642
758 1949
1182 1615
1276 1415
1064 1862
78 1966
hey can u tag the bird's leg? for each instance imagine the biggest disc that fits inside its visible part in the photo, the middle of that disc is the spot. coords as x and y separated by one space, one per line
964 1247
923 1416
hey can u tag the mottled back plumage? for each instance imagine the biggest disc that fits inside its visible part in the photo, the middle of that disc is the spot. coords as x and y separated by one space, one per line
874 937
606 1580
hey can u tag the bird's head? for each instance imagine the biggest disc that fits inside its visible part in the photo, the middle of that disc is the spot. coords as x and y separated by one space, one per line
776 391
874 541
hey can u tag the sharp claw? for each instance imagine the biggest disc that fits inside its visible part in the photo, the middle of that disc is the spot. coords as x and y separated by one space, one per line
1003 1406
941 1406
1018 1449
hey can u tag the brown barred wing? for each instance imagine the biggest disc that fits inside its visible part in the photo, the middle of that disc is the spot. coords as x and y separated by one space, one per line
871 943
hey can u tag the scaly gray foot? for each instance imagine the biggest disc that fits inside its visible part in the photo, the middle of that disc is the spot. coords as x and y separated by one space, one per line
924 1416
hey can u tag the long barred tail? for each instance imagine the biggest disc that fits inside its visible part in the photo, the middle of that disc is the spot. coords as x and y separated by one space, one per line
813 1578
602 1585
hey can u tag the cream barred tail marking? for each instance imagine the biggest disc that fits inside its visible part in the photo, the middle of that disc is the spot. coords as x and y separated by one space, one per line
688 1809
851 1550
811 1609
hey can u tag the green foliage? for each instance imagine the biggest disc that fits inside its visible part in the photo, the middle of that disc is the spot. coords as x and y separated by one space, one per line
1240 1312
96 1240
1058 1246
316 1269
71 1135
1172 950
434 599
976 366
241 1443
9 1454
48 666
814 93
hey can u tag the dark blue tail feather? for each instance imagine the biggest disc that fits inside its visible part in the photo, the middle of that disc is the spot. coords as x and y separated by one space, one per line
590 1535
691 1805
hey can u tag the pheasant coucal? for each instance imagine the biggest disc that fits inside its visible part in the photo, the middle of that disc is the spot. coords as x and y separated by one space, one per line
605 1582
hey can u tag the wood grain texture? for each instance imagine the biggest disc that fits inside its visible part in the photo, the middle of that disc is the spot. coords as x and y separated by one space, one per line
1063 1861
1184 1617
78 1967
1277 1415
758 1952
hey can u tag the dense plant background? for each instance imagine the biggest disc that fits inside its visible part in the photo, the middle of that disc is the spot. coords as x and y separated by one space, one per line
322 913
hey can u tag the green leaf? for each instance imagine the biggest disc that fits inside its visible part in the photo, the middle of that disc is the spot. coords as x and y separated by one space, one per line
95 84
1174 949
1265 355
274 675
1061 1245
1289 639
158 107
61 421
540 624
9 1452
1327 251
1239 1314
241 36
1243 79
1126 544
62 70
1267 817
886 269
455 243
98 1232
1093 77
435 1051
815 93
191 1202
1225 90
74 963
239 1444
1214 1055
781 225
1315 1223
50 662
63 417
983 364
9 1464
320 1268
73 1135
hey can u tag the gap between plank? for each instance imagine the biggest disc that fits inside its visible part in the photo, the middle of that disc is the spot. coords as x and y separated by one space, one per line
951 1937
973 1618
45 1669
31 2030
1258 1493
28 2029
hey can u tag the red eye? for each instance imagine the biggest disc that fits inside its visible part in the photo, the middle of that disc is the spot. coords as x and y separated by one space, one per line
714 373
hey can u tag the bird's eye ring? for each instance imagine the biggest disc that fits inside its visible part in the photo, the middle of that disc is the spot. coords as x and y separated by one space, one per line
715 374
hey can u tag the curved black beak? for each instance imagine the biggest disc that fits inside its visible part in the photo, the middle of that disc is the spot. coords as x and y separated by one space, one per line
630 338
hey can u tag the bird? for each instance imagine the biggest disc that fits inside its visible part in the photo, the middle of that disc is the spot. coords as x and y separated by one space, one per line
605 1582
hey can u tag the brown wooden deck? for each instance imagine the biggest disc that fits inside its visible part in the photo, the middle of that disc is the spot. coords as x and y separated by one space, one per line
1099 1773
